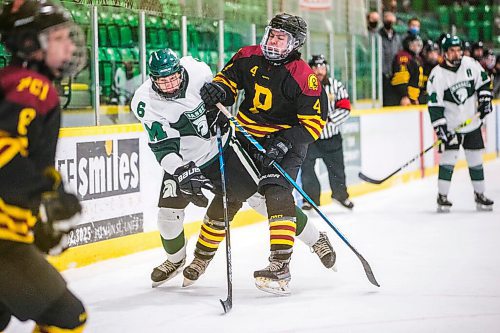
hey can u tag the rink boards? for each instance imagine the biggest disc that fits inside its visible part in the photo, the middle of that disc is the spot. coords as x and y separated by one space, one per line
117 178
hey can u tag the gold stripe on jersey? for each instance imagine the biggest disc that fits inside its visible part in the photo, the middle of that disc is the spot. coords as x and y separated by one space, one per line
401 77
10 147
16 223
259 130
313 124
413 93
225 81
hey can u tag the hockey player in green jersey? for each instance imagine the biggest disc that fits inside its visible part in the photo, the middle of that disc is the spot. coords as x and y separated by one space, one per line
457 89
181 135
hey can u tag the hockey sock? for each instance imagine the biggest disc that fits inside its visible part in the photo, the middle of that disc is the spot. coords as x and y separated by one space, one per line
476 171
306 230
282 220
171 226
211 234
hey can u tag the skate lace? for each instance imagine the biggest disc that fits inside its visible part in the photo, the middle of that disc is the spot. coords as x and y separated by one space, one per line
167 267
321 247
199 264
275 266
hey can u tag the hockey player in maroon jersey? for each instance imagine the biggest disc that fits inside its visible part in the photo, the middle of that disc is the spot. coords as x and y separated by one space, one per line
35 211
285 109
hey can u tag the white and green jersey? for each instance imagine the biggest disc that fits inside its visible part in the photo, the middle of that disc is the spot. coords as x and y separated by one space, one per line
178 130
453 94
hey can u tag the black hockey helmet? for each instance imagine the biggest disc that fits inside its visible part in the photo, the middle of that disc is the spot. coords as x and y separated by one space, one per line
294 26
318 60
24 25
413 44
430 46
476 46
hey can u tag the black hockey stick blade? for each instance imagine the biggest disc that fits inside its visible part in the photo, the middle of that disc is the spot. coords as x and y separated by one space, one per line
227 305
371 180
366 267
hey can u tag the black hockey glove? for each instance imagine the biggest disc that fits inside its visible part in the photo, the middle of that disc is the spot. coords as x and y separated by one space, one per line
484 107
212 93
276 149
443 134
57 219
216 118
191 181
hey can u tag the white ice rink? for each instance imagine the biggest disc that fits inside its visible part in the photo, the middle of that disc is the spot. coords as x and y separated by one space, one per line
438 273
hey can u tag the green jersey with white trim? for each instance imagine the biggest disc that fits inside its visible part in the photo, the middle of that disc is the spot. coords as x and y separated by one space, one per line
453 94
178 131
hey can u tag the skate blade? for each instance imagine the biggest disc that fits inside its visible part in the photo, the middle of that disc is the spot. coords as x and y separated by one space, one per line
443 209
155 284
187 283
276 287
334 268
484 208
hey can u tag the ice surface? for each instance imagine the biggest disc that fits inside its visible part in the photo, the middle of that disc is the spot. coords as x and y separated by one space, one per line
438 273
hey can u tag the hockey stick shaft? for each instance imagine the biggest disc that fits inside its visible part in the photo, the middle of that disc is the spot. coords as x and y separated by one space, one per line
366 265
228 303
413 159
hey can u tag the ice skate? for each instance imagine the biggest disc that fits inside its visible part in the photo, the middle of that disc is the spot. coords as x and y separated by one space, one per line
274 278
344 203
165 272
443 204
323 248
194 270
306 206
482 202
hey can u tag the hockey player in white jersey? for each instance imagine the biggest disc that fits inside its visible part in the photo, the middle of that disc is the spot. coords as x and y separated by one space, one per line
182 138
458 88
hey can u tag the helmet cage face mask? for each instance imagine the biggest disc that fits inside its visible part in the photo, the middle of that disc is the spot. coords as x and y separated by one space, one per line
78 59
169 89
274 53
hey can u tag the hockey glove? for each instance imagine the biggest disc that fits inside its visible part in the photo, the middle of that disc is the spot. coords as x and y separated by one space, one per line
216 118
212 93
276 149
57 219
484 107
191 181
443 134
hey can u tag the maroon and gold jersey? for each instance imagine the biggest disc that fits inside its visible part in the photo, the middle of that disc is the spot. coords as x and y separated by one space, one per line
29 127
287 97
407 78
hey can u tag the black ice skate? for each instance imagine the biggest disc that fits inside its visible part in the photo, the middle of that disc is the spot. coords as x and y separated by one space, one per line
325 251
306 206
166 271
482 202
443 204
194 270
344 203
275 277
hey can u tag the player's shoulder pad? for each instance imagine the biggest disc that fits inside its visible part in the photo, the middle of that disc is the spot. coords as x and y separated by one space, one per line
194 65
305 77
248 51
28 88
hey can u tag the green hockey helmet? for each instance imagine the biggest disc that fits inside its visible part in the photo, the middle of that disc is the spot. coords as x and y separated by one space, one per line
450 41
167 73
452 58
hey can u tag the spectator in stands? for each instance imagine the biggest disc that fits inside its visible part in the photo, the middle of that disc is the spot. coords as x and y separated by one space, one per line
477 51
372 19
391 44
406 68
413 26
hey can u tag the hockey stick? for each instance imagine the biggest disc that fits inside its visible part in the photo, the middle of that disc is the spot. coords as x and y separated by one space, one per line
413 159
366 266
228 303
